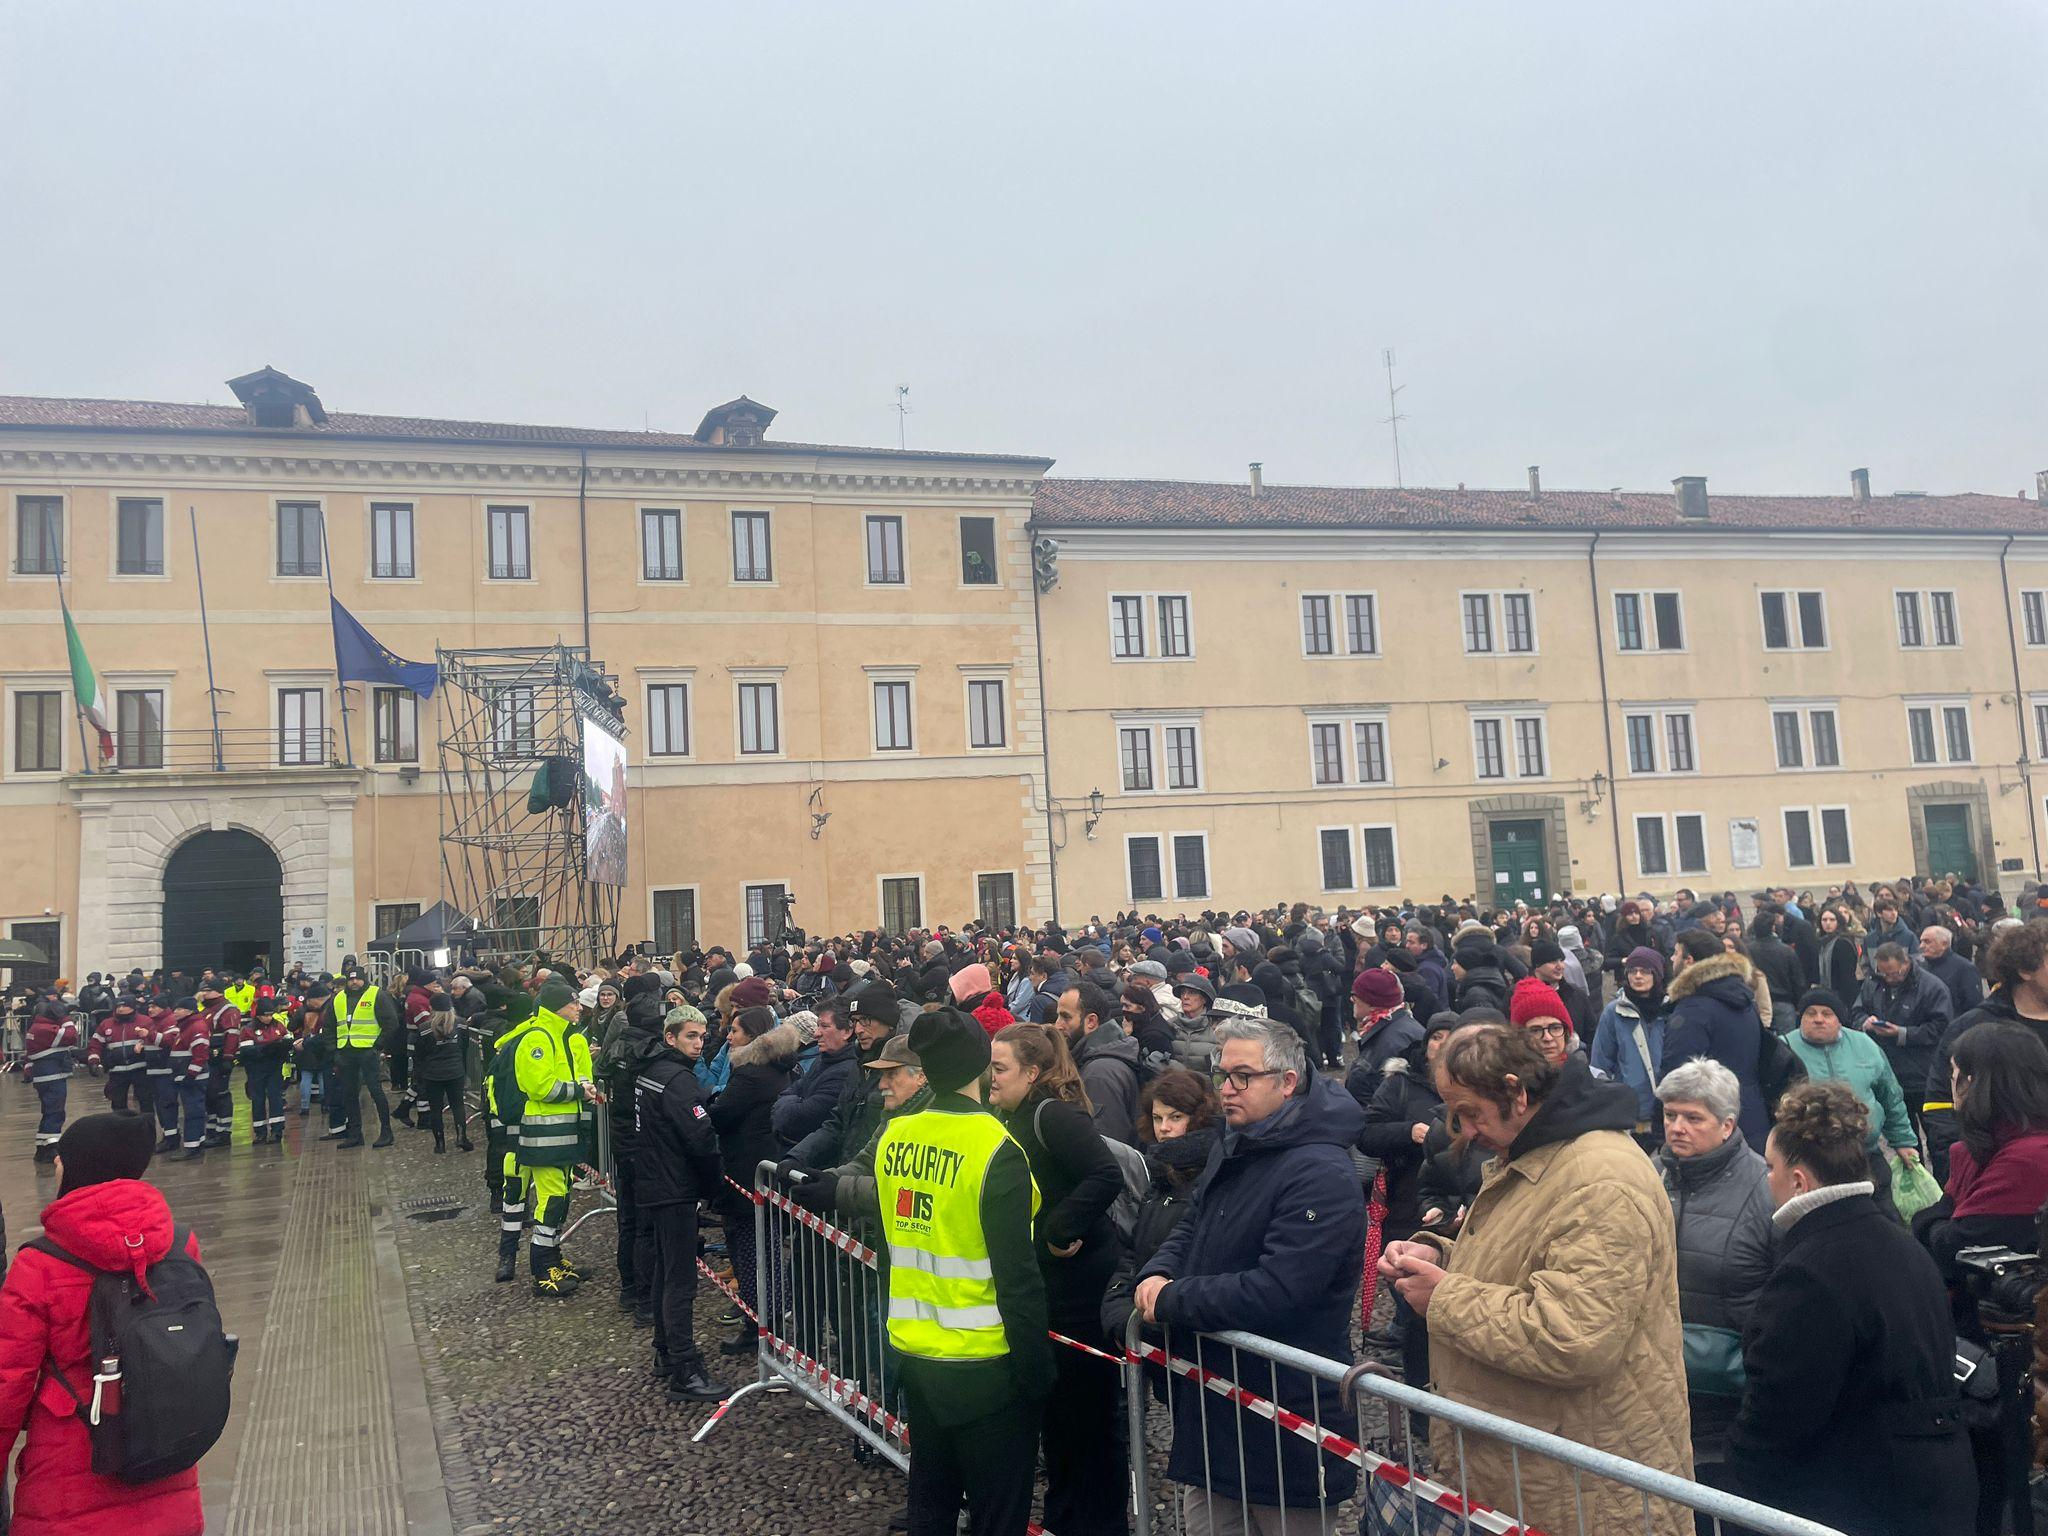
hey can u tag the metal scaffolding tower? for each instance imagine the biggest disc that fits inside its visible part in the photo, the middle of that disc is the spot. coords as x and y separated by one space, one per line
519 876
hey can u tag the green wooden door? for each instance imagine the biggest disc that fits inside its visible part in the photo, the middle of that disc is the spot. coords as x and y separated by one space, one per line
1520 871
1951 849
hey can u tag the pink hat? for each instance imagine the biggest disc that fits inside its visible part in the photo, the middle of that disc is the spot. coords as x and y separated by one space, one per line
970 981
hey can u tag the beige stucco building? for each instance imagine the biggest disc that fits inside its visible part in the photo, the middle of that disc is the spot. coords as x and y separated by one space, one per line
911 687
799 632
1301 692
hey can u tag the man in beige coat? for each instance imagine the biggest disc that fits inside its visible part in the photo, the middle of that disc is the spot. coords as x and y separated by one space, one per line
1557 1305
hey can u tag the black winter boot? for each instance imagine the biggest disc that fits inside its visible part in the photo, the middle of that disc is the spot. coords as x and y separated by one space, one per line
508 1256
383 1136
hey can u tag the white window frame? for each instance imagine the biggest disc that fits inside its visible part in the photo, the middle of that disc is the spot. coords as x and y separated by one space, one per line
892 677
1816 832
513 744
1157 726
995 552
1660 717
642 511
407 699
1678 846
15 496
1187 609
970 679
281 683
1329 602
688 683
276 552
372 505
1340 625
19 683
867 565
1663 825
1365 880
975 878
1165 851
882 901
163 511
745 677
696 908
1119 634
732 528
1646 619
1511 757
2037 708
1795 631
1151 646
1803 712
491 579
1923 604
1171 877
1674 856
2034 618
1497 622
1350 857
1347 725
1937 707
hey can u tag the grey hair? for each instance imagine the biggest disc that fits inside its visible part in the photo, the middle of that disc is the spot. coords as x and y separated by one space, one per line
1934 928
1703 1080
1280 1047
1888 951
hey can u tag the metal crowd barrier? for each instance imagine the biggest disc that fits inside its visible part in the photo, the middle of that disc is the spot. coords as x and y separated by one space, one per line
605 1187
821 1300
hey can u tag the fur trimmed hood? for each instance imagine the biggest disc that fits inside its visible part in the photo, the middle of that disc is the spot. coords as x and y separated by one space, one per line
1700 972
777 1048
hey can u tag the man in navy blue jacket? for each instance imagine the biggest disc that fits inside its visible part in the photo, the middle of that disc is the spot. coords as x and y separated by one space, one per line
1273 1246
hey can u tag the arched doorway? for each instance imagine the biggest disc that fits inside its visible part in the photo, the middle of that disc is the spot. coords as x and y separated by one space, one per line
223 904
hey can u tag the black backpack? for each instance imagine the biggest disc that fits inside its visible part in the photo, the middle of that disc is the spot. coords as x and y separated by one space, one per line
171 1357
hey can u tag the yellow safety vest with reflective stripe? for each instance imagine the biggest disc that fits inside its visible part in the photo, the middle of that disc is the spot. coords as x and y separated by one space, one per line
930 1168
550 1060
242 995
359 1029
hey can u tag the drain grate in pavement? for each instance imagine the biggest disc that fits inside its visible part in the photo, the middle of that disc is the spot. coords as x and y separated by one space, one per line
431 1208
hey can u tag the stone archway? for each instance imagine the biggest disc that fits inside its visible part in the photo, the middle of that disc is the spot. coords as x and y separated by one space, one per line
223 904
129 826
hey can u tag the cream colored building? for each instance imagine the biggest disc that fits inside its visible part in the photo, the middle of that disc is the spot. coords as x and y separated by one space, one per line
810 640
1284 692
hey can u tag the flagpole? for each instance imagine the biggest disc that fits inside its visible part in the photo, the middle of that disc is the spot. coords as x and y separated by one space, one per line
206 634
340 688
53 536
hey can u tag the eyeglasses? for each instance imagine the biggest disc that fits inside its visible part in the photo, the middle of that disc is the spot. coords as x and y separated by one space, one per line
1241 1078
1548 1030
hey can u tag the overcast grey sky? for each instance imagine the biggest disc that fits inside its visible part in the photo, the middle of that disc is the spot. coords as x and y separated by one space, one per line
1763 243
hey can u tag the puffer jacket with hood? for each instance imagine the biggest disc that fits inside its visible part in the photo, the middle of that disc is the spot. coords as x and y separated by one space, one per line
43 1317
808 1102
1107 1059
1713 1013
1485 983
1560 1309
1274 1246
742 1112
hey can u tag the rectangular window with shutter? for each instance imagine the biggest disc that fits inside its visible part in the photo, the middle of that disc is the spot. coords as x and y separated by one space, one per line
299 539
1361 624
2034 612
1529 753
1628 621
1134 751
661 543
391 543
1371 744
1785 733
1920 730
301 727
1183 766
668 720
511 543
753 551
1910 633
1141 855
892 716
1651 858
1334 843
39 535
760 719
1834 835
1641 734
1487 749
1190 866
1941 608
1799 839
1518 621
1127 627
1827 746
1955 729
885 552
1176 638
1478 614
139 728
987 719
1692 844
1382 871
1678 754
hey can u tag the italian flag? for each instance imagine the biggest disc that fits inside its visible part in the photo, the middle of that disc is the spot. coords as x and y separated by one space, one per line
85 687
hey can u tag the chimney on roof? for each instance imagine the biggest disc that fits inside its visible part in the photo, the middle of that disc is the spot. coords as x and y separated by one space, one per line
1535 480
1258 478
275 399
1859 484
1690 492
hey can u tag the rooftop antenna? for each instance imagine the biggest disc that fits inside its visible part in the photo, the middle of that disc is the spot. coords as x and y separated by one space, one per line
902 409
1394 416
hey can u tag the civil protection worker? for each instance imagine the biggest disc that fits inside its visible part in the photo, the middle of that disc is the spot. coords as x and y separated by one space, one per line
967 1310
510 1011
363 1013
551 1062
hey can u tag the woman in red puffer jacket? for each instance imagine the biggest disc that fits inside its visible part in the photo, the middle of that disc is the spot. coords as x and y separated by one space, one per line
107 1216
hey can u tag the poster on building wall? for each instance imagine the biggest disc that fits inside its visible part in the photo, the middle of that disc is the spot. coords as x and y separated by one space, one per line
306 944
604 805
1745 843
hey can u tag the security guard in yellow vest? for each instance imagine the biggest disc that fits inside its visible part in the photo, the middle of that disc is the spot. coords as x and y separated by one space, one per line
552 1061
363 1015
967 1309
242 994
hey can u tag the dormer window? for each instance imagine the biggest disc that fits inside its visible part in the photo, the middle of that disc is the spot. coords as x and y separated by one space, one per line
740 423
275 399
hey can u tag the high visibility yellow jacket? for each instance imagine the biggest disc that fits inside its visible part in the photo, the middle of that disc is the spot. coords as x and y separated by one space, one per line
930 1169
552 1062
242 994
355 1025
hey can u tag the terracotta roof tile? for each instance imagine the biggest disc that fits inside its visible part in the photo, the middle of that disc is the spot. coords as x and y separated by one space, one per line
1179 504
29 412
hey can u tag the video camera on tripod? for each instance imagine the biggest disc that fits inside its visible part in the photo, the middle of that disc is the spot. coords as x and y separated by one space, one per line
2003 1281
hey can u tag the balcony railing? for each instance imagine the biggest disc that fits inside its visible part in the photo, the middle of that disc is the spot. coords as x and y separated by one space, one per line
238 748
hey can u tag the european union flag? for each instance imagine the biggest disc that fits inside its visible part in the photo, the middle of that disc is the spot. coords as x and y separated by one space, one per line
360 658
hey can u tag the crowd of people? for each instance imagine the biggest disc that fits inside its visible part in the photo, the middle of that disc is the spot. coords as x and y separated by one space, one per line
1656 1175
